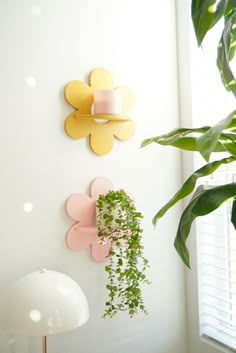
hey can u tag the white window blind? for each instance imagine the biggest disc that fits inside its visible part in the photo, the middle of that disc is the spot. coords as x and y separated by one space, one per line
216 243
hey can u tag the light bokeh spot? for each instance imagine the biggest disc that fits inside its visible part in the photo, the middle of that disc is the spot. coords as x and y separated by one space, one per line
35 315
31 81
28 207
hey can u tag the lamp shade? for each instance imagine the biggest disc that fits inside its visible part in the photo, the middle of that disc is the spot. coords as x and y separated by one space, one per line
43 303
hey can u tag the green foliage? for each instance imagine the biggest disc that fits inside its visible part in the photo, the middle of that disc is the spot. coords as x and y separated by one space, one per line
204 201
189 185
226 51
119 221
233 213
205 14
206 140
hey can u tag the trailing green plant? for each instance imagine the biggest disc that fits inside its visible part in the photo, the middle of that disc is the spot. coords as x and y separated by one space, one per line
206 140
118 222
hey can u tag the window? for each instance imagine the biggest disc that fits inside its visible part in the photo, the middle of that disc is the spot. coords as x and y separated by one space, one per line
216 237
211 283
216 253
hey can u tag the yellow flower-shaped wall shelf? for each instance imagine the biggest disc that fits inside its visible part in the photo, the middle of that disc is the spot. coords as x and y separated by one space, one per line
100 111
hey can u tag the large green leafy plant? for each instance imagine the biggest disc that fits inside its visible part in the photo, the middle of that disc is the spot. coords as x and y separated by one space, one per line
118 222
207 139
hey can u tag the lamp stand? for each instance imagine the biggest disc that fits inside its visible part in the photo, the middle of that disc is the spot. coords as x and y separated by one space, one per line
44 342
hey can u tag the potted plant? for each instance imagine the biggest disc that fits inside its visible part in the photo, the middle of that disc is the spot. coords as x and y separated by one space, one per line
207 139
118 222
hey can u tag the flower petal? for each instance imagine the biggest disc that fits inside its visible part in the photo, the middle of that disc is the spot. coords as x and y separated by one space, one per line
100 252
79 238
128 98
100 186
78 128
81 208
125 130
101 138
101 78
80 96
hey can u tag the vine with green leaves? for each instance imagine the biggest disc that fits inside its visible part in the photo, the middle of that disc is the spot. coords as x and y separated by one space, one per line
206 140
119 222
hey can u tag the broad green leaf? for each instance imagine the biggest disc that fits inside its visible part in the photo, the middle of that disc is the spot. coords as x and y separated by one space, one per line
205 14
231 6
232 46
185 131
220 11
225 53
233 213
183 143
205 200
190 183
232 126
178 138
219 138
208 141
229 142
174 134
226 134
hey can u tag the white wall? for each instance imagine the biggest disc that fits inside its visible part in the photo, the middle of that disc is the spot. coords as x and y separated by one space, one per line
55 42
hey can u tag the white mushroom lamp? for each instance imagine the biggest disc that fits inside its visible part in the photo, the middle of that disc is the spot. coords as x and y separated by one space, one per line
43 303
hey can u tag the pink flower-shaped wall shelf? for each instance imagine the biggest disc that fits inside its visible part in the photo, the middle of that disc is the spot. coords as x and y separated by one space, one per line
82 209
